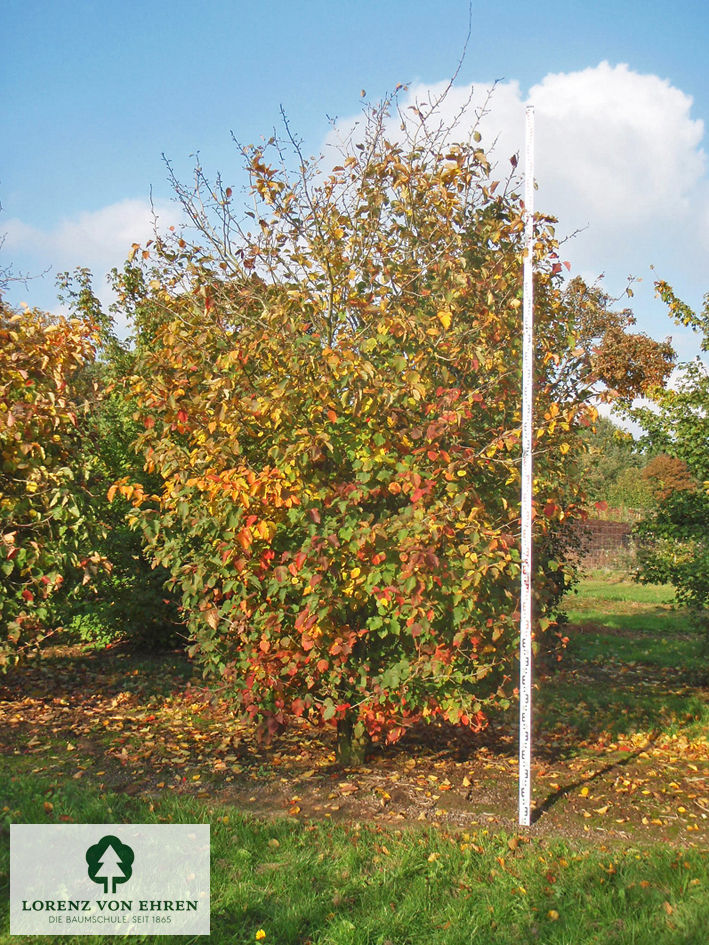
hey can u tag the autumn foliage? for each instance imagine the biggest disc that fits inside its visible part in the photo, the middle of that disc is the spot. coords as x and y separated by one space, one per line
42 523
330 389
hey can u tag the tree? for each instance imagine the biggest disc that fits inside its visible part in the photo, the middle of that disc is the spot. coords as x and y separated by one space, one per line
66 431
43 525
331 401
676 534
667 474
610 468
125 600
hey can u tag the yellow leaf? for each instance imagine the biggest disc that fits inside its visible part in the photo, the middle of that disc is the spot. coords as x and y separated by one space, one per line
602 810
260 935
444 317
553 915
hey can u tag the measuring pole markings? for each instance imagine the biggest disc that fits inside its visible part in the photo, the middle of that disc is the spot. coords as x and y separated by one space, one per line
525 636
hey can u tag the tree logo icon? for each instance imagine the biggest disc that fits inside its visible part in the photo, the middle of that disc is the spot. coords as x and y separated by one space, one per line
110 862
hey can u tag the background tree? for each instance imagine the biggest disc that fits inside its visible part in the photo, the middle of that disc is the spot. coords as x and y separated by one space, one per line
68 556
126 599
43 524
676 533
329 385
610 469
667 474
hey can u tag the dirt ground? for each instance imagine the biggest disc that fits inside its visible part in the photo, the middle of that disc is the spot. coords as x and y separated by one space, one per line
135 724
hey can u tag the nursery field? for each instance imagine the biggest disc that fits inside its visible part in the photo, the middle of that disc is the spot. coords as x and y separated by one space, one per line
420 844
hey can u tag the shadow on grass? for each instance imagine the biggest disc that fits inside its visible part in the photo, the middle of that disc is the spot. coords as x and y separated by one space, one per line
560 793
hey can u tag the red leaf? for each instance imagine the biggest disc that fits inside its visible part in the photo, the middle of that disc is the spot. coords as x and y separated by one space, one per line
297 707
300 559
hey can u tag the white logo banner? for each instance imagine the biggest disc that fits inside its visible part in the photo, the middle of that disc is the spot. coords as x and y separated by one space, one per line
109 879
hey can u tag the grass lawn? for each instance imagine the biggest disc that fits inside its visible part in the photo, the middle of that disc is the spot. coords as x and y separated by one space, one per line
420 845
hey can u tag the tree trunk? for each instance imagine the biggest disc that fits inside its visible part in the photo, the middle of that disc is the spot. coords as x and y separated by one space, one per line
351 745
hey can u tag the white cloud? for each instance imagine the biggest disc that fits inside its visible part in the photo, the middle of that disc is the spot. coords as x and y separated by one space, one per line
618 155
617 147
613 147
98 239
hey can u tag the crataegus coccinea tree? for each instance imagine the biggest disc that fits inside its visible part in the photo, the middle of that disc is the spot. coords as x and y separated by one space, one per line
330 387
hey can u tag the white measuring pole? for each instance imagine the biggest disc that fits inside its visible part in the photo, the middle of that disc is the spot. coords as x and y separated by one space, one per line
525 628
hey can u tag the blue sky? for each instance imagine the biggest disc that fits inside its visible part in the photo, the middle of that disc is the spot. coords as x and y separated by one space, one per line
95 92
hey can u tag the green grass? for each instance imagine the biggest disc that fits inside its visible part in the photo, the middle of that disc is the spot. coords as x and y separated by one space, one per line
585 710
617 603
656 649
610 586
632 666
633 663
336 885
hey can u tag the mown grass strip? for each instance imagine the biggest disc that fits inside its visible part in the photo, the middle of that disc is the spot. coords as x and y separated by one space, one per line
355 885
